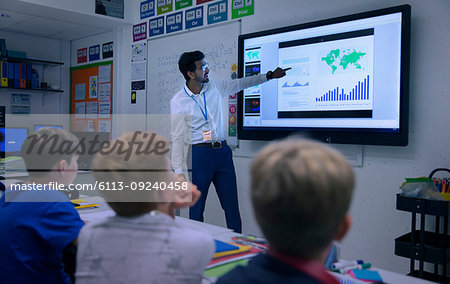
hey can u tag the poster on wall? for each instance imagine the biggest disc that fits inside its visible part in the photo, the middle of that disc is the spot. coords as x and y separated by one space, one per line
174 22
94 52
104 73
80 92
104 92
217 12
164 6
140 31
112 8
82 55
93 87
156 26
242 8
194 18
180 4
147 9
139 52
107 49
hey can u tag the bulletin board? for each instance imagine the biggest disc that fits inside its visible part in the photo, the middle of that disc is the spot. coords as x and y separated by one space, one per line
91 92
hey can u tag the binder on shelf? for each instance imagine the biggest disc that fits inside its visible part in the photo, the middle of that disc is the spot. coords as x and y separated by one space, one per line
4 74
29 76
10 75
22 75
16 75
34 79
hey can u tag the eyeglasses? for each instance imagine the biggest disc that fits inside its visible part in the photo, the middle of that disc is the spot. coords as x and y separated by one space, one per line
204 66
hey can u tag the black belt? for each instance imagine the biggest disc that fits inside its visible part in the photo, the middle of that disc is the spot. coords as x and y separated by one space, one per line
214 145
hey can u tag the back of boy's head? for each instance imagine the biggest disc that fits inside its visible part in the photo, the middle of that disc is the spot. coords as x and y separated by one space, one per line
44 148
301 192
136 174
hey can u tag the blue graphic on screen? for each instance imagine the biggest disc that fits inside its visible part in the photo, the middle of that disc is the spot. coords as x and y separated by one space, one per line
296 84
37 127
14 138
359 93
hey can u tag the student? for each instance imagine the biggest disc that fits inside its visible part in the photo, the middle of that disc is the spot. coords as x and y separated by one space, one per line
301 192
142 243
200 100
36 222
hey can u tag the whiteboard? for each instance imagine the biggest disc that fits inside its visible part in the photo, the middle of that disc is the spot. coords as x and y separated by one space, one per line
164 80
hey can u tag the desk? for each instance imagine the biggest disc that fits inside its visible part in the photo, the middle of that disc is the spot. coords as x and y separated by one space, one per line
224 234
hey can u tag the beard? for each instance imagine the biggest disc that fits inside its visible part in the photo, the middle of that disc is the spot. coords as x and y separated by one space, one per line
203 79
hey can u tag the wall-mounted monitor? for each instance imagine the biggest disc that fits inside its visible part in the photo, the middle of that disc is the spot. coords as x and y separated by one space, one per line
36 127
13 140
349 81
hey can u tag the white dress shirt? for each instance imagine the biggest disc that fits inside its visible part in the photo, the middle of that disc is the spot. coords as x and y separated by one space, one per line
187 115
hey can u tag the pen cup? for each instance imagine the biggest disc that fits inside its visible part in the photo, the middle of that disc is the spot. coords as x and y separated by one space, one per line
446 195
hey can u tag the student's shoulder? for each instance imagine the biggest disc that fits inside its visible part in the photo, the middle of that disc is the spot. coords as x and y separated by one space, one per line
193 235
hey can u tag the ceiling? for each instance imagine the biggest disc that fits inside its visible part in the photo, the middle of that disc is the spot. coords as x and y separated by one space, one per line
30 19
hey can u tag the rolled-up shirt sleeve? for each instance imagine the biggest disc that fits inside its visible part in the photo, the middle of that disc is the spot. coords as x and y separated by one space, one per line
178 131
230 87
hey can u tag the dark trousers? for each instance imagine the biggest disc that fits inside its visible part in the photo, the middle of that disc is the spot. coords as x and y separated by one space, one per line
216 166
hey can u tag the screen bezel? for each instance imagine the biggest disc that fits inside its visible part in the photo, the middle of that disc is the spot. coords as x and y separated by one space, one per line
56 126
366 136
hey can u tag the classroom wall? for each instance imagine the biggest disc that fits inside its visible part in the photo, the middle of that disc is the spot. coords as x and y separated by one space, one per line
45 49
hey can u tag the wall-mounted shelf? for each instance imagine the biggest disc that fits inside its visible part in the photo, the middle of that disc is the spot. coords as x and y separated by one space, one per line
28 89
30 61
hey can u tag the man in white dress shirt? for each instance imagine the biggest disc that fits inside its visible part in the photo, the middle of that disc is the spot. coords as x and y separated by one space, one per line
200 101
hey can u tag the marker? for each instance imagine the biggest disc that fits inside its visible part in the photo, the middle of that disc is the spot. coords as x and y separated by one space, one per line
345 270
341 264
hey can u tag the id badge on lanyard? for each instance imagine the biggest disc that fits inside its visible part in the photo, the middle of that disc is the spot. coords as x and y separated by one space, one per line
207 127
207 132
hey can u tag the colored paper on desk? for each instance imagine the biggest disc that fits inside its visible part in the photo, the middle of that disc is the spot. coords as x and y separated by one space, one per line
366 275
223 269
81 203
240 249
234 257
222 246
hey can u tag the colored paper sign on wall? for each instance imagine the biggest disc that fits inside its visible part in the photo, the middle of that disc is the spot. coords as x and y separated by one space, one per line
217 12
203 1
174 22
194 17
82 55
94 52
107 49
147 9
180 4
164 6
232 109
156 26
140 31
242 8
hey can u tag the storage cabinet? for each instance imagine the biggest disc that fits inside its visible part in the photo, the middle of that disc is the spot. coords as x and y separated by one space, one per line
422 245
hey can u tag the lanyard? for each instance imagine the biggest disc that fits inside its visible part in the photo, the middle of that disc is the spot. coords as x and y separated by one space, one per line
205 113
311 268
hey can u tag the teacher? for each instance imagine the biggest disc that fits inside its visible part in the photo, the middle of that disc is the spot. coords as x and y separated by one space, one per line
200 101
